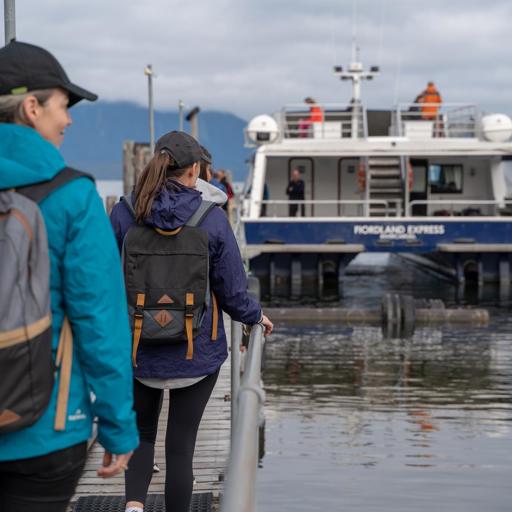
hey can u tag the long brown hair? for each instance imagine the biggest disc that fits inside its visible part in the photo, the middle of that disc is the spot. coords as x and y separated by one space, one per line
152 180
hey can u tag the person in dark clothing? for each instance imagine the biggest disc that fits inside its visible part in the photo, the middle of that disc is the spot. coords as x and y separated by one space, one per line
295 192
165 198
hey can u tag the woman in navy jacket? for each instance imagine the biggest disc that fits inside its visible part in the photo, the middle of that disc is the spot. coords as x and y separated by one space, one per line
166 198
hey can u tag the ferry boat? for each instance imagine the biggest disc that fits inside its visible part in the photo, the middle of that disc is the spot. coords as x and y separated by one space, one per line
432 190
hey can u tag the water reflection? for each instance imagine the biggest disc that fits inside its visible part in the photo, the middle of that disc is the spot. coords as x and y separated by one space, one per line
356 422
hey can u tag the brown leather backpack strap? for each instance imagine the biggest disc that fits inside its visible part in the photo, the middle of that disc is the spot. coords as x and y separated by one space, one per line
138 318
215 318
168 233
189 317
64 362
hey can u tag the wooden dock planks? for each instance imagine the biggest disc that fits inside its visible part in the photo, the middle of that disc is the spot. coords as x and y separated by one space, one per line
211 454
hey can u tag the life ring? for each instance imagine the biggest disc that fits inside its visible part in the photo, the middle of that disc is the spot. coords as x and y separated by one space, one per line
409 175
361 177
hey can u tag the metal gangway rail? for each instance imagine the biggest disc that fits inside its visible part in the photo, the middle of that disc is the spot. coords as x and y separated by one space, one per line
247 398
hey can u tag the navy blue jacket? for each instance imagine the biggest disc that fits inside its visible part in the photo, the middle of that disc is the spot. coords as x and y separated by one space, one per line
295 190
172 208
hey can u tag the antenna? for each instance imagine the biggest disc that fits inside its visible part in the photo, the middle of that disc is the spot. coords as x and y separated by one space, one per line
356 74
354 30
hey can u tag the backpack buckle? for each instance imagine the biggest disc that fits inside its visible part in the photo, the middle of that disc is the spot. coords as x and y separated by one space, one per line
189 305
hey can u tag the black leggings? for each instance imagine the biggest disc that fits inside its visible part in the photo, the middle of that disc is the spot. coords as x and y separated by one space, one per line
186 407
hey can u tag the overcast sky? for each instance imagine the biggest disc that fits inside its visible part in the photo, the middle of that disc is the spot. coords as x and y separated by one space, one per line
253 56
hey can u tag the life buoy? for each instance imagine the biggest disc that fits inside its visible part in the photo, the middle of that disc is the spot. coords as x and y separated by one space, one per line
361 177
410 176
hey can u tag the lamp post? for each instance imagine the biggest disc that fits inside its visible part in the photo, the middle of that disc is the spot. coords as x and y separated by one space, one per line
193 119
148 71
9 20
181 110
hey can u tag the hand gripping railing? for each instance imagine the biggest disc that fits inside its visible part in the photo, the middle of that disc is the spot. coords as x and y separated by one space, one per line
247 398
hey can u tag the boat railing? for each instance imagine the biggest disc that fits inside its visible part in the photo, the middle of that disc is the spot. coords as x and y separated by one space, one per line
362 206
436 120
470 211
247 398
327 121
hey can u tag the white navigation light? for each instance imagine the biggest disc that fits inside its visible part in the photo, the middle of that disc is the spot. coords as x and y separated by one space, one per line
497 127
262 129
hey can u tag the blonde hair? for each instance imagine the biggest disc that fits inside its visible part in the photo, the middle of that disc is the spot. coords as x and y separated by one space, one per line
11 105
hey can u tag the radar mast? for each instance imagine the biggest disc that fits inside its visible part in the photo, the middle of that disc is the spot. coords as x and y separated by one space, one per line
356 73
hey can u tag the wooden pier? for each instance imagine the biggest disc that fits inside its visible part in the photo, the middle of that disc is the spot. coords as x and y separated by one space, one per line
211 454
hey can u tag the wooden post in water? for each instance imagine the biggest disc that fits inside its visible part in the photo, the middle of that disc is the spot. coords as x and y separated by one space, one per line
136 155
128 167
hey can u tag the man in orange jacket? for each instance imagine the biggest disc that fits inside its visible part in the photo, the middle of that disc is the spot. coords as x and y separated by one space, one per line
431 100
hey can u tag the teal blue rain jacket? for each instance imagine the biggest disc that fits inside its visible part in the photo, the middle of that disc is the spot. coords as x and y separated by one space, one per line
86 285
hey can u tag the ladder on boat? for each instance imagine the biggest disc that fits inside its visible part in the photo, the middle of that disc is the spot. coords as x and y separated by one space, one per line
385 183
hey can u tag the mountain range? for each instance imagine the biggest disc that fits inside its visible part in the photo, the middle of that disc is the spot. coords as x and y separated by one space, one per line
94 142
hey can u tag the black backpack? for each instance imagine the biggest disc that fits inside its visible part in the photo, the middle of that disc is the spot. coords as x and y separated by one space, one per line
26 364
167 282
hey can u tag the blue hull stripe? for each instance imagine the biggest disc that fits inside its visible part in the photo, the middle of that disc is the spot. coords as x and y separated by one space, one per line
418 236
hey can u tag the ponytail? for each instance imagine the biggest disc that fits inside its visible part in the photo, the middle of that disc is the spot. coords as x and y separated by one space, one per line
153 179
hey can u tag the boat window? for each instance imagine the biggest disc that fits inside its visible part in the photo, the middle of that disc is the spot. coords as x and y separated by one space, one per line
445 179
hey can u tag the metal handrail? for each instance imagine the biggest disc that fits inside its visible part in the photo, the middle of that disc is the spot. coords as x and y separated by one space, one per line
358 202
450 120
240 488
452 202
236 339
337 121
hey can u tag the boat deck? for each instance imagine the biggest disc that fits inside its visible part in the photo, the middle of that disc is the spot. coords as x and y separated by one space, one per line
211 453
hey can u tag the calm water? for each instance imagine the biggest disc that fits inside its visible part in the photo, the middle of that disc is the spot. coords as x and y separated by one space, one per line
358 423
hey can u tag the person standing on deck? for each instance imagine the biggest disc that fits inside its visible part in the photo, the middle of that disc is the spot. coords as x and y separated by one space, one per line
430 100
295 192
316 115
41 464
164 200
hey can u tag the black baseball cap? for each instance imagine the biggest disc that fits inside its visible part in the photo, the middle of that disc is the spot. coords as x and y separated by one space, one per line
25 67
181 146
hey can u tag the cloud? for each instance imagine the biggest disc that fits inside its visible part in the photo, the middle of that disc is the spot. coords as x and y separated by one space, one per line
249 56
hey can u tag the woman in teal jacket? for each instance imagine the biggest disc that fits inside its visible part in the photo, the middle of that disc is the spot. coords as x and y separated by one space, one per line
39 466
